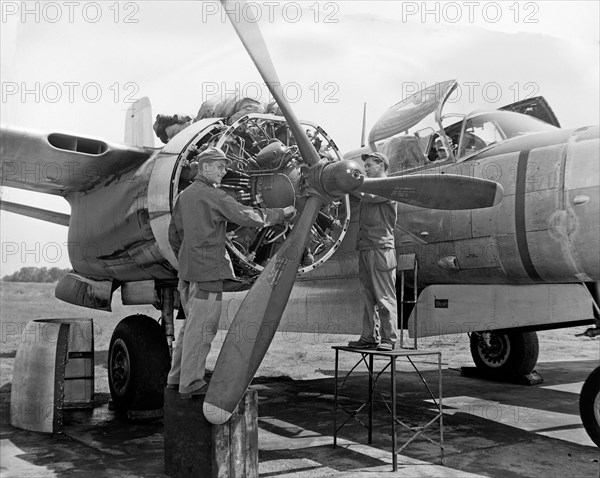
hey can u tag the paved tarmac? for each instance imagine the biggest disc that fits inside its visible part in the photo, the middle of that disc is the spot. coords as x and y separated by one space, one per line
490 429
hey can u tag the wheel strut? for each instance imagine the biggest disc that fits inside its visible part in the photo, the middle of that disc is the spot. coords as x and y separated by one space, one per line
166 315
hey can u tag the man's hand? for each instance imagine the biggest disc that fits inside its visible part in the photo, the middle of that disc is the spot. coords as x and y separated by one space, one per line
289 213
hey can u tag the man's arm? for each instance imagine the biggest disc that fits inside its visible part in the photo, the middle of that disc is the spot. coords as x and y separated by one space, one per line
253 217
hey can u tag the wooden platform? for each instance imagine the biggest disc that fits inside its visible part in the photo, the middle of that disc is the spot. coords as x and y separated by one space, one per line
194 447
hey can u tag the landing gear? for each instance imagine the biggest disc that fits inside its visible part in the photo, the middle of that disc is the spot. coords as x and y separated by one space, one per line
589 405
138 364
504 356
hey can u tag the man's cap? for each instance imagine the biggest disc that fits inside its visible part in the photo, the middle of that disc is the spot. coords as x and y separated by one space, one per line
212 154
382 158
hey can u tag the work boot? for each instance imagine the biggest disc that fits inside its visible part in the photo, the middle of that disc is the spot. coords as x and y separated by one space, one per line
362 344
385 347
195 393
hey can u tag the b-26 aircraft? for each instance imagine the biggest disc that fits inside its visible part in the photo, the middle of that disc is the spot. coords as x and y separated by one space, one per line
505 270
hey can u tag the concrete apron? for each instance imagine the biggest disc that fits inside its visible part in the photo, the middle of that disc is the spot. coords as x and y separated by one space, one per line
491 429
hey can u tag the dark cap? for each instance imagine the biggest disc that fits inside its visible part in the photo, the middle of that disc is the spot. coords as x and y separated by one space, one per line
212 154
380 157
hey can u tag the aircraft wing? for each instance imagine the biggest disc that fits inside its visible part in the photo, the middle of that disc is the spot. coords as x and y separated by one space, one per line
54 217
58 163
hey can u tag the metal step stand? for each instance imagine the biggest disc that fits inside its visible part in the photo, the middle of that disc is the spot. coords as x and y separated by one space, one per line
354 404
358 405
407 262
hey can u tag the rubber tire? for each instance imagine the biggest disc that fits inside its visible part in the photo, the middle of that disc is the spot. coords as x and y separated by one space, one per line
517 354
590 393
138 364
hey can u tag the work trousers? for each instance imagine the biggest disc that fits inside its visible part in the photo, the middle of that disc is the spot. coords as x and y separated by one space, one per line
202 311
377 275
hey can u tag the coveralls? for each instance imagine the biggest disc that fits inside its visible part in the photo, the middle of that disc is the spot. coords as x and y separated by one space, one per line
377 269
197 236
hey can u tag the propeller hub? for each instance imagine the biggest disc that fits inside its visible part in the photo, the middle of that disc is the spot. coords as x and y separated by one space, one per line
342 177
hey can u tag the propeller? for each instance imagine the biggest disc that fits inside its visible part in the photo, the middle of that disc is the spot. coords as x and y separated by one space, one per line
436 191
257 319
261 309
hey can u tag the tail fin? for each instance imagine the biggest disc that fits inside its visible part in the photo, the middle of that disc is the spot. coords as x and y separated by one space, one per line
138 124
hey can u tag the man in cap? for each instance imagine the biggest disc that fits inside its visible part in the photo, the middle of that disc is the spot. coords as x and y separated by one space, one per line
377 263
197 236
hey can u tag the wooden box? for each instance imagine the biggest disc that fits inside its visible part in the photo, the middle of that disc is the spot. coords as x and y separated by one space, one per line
196 448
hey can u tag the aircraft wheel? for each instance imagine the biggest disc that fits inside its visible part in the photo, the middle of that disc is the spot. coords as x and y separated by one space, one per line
138 364
504 356
589 405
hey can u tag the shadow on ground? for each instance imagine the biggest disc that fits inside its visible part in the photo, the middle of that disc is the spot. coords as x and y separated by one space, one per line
296 428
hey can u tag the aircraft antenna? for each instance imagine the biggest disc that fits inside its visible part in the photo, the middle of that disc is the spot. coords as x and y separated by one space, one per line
364 126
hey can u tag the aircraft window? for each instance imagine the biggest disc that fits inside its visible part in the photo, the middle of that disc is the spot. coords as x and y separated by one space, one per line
515 124
479 134
484 129
508 124
425 137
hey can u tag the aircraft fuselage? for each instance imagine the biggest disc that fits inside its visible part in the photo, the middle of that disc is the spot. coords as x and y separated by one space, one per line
546 229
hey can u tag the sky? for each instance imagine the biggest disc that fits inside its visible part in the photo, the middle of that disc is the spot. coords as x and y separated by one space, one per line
76 66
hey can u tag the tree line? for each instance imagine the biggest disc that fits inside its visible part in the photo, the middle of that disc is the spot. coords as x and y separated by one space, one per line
36 274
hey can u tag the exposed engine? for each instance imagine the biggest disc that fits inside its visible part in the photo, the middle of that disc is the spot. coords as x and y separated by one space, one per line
266 172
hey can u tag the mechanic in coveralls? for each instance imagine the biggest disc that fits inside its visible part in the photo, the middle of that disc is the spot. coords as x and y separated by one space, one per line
377 263
197 236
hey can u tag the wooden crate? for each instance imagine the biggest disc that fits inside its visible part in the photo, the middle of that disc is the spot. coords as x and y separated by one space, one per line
194 447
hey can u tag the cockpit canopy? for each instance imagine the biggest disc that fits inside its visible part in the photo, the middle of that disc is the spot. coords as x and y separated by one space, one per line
480 130
460 139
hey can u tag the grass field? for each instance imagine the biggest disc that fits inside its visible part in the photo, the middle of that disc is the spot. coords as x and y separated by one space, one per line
297 355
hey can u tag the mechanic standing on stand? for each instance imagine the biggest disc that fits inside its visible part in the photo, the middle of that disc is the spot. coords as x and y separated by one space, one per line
197 236
377 263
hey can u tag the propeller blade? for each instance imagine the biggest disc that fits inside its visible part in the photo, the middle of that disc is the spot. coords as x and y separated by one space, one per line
256 322
249 33
436 191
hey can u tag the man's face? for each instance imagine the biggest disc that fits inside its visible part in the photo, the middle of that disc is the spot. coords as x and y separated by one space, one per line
440 148
215 170
374 168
